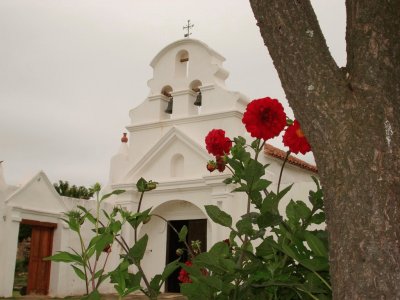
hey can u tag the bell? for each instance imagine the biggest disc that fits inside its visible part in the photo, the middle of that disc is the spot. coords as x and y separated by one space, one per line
169 107
198 99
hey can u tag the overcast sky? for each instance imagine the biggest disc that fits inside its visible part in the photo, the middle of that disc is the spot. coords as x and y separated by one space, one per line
70 71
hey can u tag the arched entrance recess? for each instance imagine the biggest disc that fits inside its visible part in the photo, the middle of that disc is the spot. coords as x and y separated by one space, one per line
163 241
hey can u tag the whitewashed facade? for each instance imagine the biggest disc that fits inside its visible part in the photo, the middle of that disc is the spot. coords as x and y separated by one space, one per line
170 148
167 148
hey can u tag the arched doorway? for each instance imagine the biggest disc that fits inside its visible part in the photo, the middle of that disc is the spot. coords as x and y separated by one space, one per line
163 241
197 231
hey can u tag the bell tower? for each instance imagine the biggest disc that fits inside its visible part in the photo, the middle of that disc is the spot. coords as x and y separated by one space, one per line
188 80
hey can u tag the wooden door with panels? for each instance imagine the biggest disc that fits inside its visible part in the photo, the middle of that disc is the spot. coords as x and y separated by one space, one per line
41 247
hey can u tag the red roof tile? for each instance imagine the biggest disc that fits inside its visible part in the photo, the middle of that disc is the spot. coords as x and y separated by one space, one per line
278 153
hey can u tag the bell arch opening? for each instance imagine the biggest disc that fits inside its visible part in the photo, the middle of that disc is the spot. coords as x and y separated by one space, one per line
167 92
182 64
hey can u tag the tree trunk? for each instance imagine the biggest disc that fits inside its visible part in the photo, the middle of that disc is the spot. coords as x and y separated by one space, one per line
351 117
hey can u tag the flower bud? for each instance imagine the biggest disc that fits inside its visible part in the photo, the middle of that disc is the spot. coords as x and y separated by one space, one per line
221 162
107 248
147 220
179 251
211 165
151 185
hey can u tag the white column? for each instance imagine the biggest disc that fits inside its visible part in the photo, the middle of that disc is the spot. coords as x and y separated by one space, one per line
9 252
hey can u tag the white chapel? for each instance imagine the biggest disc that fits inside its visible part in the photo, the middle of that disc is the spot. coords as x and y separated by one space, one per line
164 143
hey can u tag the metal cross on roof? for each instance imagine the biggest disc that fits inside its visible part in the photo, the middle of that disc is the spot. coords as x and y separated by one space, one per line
188 27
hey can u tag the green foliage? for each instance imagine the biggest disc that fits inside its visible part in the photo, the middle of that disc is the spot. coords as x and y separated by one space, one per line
80 192
85 261
24 232
268 255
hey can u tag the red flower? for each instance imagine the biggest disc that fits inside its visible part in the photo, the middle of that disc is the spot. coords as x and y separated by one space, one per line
294 139
264 118
217 143
183 275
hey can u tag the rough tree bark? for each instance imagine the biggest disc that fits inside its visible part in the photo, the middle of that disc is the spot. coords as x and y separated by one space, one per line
351 117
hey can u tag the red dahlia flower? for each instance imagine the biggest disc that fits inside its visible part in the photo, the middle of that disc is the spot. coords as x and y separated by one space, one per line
217 143
264 118
294 139
183 275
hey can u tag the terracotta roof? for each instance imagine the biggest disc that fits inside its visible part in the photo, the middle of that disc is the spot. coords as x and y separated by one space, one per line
278 153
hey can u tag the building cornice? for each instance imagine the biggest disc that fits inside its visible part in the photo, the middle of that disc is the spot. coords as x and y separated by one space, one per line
179 184
185 120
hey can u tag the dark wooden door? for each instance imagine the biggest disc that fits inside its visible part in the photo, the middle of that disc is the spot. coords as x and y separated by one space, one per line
41 247
197 230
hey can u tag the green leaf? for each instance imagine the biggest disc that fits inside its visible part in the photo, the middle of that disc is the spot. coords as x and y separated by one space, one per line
169 269
240 141
244 226
302 210
115 227
267 220
135 279
204 259
283 192
141 185
156 283
240 154
297 210
316 198
253 172
218 216
316 264
316 245
270 204
74 224
236 165
255 144
242 188
261 184
291 212
79 272
220 249
318 218
66 257
266 247
98 273
136 219
138 249
196 291
95 295
182 233
106 214
256 198
213 282
228 264
316 182
116 192
101 241
291 251
87 215
228 180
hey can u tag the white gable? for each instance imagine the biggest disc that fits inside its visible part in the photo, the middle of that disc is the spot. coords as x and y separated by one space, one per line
174 155
38 194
